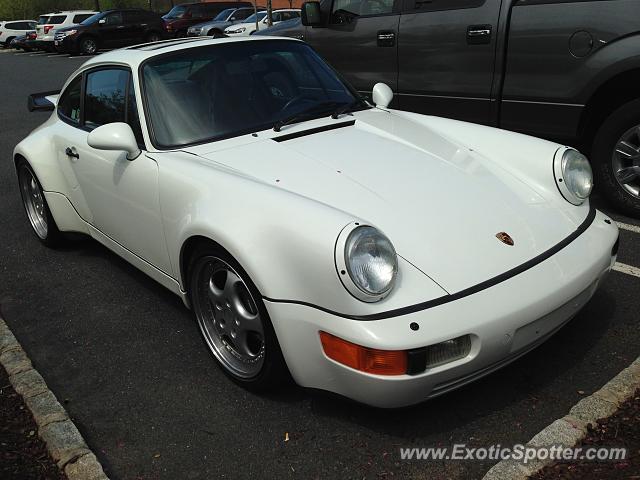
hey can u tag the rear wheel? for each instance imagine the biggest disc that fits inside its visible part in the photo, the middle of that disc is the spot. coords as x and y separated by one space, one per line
88 46
233 321
36 207
7 43
616 158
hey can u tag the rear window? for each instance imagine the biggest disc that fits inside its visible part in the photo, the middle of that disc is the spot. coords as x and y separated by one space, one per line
42 20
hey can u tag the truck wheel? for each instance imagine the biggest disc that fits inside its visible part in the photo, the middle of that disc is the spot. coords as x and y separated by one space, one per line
616 158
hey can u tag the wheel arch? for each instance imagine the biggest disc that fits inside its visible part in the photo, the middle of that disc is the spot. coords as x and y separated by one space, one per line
607 98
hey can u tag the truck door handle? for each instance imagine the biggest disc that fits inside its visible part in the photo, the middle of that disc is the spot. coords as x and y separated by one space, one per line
479 34
386 38
70 153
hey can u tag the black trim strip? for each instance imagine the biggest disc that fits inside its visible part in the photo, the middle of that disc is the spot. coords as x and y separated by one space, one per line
462 293
311 131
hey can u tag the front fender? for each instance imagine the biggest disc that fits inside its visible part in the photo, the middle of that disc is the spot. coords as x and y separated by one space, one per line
284 241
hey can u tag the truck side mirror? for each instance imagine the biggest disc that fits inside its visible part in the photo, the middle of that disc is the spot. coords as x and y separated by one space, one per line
311 14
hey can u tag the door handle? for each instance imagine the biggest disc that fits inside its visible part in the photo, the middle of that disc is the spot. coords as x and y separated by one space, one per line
120 26
479 34
69 152
386 38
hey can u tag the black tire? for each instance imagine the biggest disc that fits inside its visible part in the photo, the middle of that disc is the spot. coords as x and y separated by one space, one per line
602 156
53 237
274 371
88 46
215 33
153 37
7 43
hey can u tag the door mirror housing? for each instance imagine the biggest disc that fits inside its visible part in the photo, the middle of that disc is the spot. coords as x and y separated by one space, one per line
102 21
382 95
115 136
311 14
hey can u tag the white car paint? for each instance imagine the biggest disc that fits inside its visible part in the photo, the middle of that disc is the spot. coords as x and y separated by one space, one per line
14 28
440 189
247 28
45 30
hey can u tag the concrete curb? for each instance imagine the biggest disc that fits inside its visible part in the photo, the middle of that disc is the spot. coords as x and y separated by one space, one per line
572 428
64 442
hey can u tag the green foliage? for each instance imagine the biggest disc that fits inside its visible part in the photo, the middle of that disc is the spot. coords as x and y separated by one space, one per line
31 9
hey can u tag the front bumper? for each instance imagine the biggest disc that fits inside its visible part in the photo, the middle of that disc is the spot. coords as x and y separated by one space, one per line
505 321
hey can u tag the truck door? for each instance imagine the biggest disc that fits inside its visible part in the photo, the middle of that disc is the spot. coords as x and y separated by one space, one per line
446 57
360 41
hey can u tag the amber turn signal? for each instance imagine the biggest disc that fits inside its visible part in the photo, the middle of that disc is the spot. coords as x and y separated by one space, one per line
370 360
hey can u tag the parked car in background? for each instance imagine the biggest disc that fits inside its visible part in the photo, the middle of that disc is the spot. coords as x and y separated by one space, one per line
111 29
24 42
178 20
56 20
567 71
11 30
289 28
248 27
226 18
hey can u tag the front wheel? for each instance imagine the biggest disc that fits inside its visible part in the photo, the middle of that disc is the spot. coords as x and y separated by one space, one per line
36 207
88 46
234 322
616 158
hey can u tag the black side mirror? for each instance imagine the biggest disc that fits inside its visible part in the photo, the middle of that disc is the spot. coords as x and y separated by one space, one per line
39 101
311 14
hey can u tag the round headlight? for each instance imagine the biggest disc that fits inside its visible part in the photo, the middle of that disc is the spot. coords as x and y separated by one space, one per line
371 261
574 176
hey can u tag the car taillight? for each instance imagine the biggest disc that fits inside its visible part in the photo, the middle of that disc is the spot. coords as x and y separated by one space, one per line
47 28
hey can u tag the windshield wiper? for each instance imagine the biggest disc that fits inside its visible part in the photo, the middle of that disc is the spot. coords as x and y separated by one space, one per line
307 114
347 107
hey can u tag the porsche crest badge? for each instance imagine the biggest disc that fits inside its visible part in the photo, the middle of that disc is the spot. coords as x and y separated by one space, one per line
505 238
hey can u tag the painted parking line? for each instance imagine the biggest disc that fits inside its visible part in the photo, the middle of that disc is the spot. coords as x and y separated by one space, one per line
628 269
628 228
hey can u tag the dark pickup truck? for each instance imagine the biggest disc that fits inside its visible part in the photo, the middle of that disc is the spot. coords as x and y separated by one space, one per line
564 70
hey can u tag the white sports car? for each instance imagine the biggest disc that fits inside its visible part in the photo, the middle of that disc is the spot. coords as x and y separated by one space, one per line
383 255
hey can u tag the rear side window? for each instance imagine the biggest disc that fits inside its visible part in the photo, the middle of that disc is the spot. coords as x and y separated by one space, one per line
242 14
81 17
105 97
57 19
69 103
43 20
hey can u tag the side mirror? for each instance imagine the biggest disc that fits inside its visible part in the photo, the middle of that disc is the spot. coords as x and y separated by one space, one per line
102 21
115 136
42 101
382 95
311 14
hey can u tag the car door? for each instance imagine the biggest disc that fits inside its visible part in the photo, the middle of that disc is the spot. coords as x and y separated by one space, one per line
117 196
113 31
360 41
134 22
446 57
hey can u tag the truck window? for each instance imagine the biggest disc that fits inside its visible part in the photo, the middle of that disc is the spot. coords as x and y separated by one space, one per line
359 8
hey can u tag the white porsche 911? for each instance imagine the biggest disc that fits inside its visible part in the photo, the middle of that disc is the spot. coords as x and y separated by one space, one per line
383 255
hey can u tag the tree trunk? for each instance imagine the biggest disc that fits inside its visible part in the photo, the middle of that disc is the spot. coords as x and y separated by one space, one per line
269 17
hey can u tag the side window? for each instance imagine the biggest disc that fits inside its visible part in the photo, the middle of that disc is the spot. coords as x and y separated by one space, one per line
57 19
13 26
359 8
81 17
197 11
105 97
133 16
69 103
114 18
132 113
417 6
242 14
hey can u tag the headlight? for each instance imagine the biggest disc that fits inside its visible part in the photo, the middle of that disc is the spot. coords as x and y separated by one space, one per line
237 30
573 176
70 32
367 262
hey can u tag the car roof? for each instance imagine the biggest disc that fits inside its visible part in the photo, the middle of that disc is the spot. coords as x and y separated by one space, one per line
67 12
137 54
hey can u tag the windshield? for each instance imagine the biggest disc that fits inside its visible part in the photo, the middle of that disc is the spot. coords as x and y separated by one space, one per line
252 18
176 12
223 15
219 91
92 19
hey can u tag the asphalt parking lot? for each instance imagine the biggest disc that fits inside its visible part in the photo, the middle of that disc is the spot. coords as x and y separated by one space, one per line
125 358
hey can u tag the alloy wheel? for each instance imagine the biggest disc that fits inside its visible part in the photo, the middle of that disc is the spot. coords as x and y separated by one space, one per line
228 317
626 161
33 200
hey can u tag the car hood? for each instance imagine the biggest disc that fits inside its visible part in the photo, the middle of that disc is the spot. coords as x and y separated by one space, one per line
441 203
